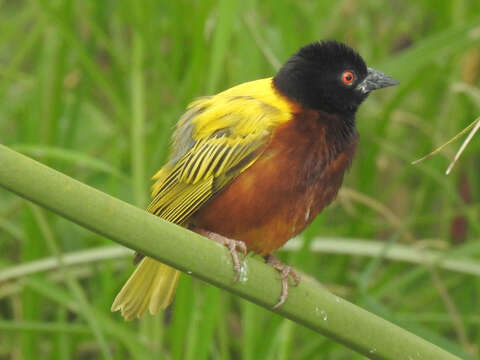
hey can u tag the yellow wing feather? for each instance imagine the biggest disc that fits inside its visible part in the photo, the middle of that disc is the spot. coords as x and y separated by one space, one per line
216 139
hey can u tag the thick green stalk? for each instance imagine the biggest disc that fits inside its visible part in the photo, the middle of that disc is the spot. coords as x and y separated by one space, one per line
309 304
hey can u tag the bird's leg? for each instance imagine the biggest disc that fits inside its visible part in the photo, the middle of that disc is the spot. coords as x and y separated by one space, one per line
234 246
285 271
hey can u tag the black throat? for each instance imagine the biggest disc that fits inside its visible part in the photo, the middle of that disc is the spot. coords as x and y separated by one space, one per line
340 130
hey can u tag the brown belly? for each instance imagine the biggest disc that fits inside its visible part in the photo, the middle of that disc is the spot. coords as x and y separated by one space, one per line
281 193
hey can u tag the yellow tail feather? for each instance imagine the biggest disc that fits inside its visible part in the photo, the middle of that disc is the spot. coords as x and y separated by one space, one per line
151 286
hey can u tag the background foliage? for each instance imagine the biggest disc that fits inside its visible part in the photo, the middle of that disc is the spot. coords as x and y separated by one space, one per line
93 89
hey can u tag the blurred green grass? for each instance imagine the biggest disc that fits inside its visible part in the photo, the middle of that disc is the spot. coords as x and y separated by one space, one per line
93 88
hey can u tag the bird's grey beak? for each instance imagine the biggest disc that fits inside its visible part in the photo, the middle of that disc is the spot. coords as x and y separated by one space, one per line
375 80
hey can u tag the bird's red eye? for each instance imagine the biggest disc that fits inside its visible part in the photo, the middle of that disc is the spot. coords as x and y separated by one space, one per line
348 77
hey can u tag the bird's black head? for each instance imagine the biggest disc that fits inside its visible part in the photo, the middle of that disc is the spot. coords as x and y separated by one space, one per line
329 76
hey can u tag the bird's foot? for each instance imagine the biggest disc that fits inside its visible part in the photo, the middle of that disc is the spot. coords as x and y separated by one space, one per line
285 272
234 246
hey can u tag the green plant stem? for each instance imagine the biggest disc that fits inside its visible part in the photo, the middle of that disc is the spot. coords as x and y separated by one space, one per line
138 122
308 304
341 246
44 327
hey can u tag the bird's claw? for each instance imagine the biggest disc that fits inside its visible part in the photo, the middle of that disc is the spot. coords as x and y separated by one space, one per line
285 272
234 247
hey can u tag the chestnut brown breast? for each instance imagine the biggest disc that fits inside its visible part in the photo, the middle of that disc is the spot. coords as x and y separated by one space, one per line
297 175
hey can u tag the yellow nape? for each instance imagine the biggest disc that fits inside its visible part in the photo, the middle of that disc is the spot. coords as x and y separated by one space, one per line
262 90
253 107
151 286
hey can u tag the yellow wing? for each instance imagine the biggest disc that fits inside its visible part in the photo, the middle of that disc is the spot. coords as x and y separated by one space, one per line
215 140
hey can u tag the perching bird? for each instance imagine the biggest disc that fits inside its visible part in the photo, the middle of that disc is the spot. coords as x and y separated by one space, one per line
252 166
